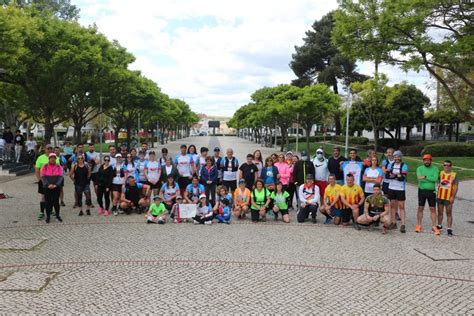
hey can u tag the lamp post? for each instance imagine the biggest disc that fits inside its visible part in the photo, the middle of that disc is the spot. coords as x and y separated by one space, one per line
101 127
138 128
348 106
297 130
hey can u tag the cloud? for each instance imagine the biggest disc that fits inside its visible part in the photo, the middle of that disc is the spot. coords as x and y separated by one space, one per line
211 53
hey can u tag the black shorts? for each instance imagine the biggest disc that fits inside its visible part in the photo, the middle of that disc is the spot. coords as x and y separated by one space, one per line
385 189
396 195
284 212
346 215
375 211
154 186
230 185
426 195
40 187
116 187
94 177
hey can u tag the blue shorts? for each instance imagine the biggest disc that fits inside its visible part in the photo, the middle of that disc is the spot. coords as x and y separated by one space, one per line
336 212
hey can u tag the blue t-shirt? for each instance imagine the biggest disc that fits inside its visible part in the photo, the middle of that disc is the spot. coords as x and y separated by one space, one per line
195 191
169 191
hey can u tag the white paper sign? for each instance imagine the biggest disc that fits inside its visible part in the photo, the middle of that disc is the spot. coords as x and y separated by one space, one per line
187 210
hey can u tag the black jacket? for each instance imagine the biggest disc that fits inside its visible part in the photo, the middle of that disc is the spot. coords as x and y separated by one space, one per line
105 177
301 169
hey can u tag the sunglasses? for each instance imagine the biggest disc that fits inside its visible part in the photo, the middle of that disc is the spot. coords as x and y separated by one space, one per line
446 165
80 158
106 159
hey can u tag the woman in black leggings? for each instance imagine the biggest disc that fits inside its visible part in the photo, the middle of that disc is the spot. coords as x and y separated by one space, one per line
105 176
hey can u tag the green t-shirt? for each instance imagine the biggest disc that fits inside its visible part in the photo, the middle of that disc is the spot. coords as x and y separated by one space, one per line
377 201
431 173
259 197
42 160
280 199
157 210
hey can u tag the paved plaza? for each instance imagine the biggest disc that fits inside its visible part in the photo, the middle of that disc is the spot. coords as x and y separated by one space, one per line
121 265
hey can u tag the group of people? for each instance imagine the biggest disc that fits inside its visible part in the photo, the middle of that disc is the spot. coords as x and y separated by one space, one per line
12 146
345 190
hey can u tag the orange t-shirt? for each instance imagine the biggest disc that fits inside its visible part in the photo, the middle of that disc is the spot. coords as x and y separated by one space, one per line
242 198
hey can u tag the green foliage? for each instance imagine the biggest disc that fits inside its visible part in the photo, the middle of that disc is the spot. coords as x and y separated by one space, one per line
450 150
353 140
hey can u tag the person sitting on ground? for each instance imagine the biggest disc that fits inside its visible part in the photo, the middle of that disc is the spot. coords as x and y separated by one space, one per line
309 197
135 196
223 212
222 193
169 191
204 213
331 203
280 204
194 190
156 212
174 214
377 208
260 201
242 200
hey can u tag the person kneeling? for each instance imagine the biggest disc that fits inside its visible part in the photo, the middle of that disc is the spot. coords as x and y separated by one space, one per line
223 215
377 208
280 198
260 199
331 204
242 200
134 196
204 212
156 212
309 199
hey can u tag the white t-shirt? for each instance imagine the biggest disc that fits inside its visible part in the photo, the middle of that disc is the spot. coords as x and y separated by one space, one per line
184 164
30 145
94 156
153 168
141 164
371 173
321 169
119 170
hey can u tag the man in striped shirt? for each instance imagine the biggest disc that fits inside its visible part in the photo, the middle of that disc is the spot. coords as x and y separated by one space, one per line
447 190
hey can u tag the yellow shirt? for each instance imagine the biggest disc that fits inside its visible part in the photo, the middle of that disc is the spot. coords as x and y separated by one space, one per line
333 192
447 184
353 194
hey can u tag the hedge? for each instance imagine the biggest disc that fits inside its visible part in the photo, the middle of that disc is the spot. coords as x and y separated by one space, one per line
395 143
316 139
413 150
450 150
353 140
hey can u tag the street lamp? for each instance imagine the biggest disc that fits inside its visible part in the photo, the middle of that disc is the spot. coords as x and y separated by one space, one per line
101 127
297 130
348 106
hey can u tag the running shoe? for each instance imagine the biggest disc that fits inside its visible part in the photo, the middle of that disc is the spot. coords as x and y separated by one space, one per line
196 222
100 211
403 229
106 213
62 203
328 221
314 220
356 226
115 213
81 213
161 222
40 216
59 219
208 223
436 230
88 212
418 228
384 229
450 232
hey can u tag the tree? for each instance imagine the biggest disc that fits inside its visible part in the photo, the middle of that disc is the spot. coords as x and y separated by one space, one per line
429 34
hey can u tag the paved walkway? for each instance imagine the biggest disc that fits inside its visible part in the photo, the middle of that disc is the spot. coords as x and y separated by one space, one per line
121 265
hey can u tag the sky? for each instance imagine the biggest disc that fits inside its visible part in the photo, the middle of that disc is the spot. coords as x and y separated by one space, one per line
214 54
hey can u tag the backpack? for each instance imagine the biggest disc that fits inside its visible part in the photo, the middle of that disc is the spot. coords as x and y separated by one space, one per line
391 169
234 164
264 195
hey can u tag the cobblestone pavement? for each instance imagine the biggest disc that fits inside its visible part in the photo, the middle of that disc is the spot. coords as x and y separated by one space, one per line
121 265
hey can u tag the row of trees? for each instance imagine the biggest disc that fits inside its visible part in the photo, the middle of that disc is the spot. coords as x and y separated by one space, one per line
53 70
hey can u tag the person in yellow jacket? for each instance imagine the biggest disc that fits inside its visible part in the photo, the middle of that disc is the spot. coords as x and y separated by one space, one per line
447 190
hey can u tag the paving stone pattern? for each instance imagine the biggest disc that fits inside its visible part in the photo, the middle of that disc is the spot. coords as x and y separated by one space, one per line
121 265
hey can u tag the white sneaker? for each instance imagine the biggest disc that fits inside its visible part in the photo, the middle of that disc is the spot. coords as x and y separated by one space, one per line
208 223
115 213
196 222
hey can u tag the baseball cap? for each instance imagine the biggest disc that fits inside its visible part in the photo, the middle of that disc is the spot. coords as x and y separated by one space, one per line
217 149
241 181
304 154
397 153
179 197
202 196
320 150
156 197
427 156
183 146
118 156
52 155
309 176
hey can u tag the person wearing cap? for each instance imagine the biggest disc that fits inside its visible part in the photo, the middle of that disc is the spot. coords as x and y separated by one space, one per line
248 171
209 178
334 165
352 197
302 168
242 200
427 176
117 182
40 162
447 190
217 160
194 190
309 197
169 191
80 174
321 171
184 162
230 168
201 160
156 212
52 181
204 213
135 196
397 172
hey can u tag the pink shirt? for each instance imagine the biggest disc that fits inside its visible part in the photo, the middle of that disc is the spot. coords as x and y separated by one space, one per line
51 170
285 172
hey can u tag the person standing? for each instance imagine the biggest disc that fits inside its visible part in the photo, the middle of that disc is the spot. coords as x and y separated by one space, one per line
309 200
397 174
447 190
217 160
140 166
209 178
117 182
19 142
230 167
164 156
284 170
8 137
387 161
52 181
321 169
31 149
81 174
334 165
427 178
248 171
153 172
93 160
372 176
258 161
186 168
201 160
105 176
40 162
353 166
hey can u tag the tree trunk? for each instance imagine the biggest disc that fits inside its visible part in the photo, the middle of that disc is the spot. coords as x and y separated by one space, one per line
389 133
48 130
408 129
424 131
337 123
376 139
308 131
129 131
77 133
450 135
457 131
116 136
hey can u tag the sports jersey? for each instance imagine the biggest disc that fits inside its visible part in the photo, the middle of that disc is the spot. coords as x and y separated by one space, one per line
431 174
204 210
333 192
240 197
280 199
140 170
169 191
396 169
321 169
157 210
309 193
353 194
385 164
43 159
229 168
119 174
372 173
153 168
184 165
130 170
354 168
30 145
195 191
260 197
201 162
377 203
447 185
93 156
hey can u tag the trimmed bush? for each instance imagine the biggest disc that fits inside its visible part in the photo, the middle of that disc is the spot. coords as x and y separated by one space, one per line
353 140
450 150
395 143
413 150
